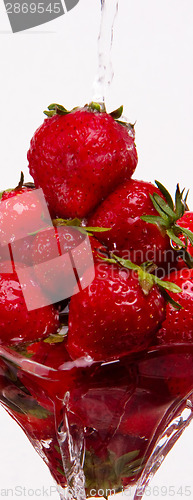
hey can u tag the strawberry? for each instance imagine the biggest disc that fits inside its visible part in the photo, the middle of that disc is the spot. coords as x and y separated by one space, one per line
177 328
130 237
180 378
142 415
19 189
79 157
47 353
22 211
76 249
168 372
178 324
175 221
53 250
117 317
52 356
17 324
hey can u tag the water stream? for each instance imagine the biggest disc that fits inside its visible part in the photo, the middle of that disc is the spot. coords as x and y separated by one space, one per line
104 77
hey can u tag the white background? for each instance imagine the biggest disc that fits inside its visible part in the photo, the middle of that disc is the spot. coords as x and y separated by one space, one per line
57 62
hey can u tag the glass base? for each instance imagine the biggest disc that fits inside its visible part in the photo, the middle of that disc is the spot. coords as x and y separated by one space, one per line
104 428
183 414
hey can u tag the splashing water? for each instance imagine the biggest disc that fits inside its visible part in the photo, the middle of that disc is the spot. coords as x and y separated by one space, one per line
109 10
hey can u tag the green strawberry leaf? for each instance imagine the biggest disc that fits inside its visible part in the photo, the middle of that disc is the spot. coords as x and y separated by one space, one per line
167 285
22 349
96 106
107 473
56 109
166 194
173 237
153 219
22 402
61 471
54 339
131 470
171 301
156 205
125 460
184 201
117 113
179 206
188 259
39 412
77 223
54 106
67 222
149 266
186 232
96 229
164 207
169 214
123 262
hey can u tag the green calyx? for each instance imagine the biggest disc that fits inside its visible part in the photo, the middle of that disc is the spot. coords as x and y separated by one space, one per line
56 109
78 224
146 279
96 107
107 473
169 213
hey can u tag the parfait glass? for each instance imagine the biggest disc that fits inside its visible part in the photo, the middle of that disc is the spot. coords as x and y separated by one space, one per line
101 428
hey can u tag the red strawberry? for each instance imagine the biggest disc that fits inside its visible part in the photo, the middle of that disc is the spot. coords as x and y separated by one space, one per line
49 354
17 324
178 329
56 275
78 158
113 316
169 372
21 213
52 356
142 415
131 237
10 193
53 249
180 378
19 189
178 325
